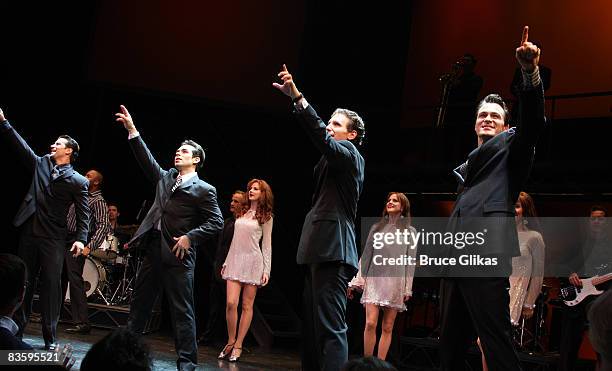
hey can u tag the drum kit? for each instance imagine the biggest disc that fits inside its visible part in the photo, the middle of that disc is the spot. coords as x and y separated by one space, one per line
110 271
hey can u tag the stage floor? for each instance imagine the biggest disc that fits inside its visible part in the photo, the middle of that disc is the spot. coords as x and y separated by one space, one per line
164 357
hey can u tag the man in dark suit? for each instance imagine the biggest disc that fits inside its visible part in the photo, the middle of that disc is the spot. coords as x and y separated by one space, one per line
42 220
184 213
490 181
13 275
327 245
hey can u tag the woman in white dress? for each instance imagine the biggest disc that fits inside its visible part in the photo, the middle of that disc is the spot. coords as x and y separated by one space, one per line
528 268
385 287
247 265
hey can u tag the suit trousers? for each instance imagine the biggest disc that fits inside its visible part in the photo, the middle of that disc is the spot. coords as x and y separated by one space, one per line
476 307
46 256
176 282
74 275
325 345
215 325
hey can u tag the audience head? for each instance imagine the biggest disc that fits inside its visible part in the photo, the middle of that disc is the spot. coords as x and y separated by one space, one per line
13 275
368 364
600 329
121 350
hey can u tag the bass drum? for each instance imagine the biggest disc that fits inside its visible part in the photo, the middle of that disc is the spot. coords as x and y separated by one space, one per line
94 277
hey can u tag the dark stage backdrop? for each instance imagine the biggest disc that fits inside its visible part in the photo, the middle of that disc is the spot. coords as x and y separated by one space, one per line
221 50
576 39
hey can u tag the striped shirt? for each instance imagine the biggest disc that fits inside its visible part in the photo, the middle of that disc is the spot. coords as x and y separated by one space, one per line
99 225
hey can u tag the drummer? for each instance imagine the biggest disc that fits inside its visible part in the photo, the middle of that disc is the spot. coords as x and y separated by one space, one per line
99 228
122 232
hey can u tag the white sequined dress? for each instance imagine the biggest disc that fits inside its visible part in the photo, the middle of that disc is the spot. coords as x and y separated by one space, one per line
246 261
527 273
385 285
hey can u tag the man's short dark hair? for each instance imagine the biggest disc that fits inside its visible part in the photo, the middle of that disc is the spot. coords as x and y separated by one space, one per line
497 99
118 351
72 143
13 275
355 123
599 208
198 151
368 364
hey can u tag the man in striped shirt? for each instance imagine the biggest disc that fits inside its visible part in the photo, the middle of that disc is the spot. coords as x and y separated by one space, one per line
99 228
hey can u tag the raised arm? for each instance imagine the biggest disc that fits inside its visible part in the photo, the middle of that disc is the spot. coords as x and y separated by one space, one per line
531 118
315 127
15 141
147 162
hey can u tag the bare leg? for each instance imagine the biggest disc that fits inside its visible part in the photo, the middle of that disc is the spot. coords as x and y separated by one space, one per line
389 315
369 334
484 361
231 309
248 297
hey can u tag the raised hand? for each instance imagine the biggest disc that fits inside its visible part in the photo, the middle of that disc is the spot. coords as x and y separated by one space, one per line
288 86
125 118
528 54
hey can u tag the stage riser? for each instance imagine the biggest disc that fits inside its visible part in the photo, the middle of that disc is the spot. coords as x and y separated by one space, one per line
106 316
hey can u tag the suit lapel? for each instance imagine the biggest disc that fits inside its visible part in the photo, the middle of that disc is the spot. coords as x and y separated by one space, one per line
478 157
189 183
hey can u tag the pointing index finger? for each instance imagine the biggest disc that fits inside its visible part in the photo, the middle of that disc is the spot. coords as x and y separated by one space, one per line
525 35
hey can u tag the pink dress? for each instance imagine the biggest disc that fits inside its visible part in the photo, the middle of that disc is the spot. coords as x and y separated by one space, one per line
385 286
246 262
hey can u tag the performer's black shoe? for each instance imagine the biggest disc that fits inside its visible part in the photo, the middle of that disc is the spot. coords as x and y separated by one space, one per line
81 328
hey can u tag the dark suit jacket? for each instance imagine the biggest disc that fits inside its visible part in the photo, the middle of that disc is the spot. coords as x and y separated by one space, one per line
224 241
48 200
491 179
328 233
8 341
191 210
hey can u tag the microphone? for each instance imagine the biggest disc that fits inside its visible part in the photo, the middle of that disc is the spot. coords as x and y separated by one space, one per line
142 212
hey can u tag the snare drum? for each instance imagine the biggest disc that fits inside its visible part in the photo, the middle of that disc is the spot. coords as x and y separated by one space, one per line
94 277
108 250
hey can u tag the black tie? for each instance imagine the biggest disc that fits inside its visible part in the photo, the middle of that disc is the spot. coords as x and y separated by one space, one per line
179 180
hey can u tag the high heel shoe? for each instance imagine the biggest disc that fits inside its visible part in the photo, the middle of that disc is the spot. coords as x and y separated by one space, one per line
227 349
233 357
